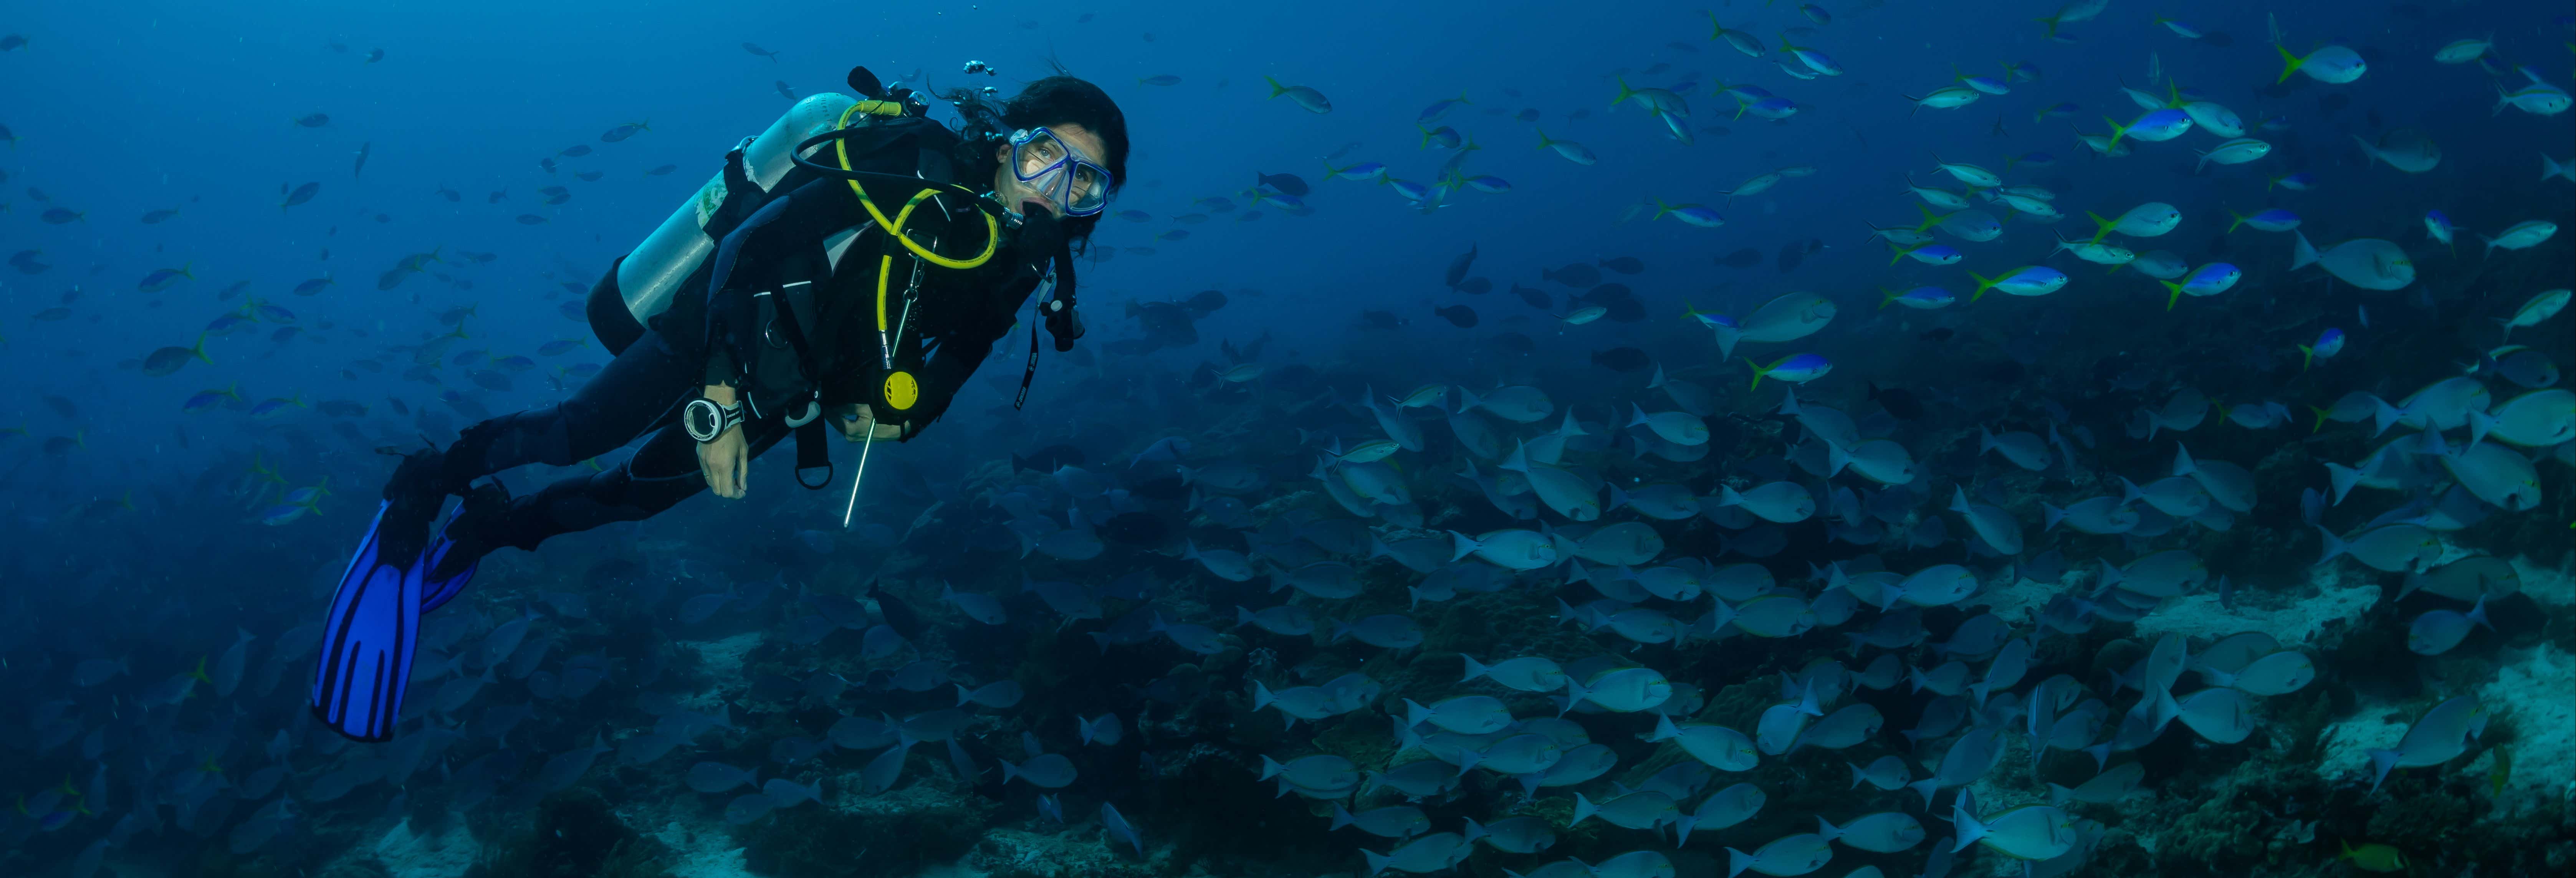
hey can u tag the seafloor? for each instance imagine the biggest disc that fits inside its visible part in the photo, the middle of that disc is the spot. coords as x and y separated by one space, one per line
2276 805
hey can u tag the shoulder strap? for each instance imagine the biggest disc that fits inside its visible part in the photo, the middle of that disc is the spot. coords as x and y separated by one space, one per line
742 197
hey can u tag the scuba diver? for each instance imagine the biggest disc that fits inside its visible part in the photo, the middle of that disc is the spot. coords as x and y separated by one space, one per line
851 266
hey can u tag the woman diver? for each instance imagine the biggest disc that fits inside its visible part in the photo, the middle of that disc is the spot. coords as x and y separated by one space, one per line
835 271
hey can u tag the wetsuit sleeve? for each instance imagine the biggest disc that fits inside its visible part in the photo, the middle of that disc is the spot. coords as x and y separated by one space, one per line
959 354
745 258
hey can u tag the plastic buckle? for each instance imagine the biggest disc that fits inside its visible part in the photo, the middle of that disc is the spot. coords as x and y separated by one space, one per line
813 409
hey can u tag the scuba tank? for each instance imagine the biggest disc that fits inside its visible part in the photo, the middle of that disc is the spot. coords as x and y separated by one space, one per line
649 276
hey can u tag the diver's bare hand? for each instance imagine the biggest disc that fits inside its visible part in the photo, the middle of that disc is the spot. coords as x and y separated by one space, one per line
725 462
855 426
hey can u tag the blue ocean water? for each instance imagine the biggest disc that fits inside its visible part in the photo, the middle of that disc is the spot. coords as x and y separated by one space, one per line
1601 373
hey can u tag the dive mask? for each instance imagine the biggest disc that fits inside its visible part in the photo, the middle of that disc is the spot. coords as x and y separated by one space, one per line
1047 164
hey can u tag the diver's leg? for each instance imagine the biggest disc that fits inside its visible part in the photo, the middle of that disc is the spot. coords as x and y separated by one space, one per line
661 474
638 388
626 398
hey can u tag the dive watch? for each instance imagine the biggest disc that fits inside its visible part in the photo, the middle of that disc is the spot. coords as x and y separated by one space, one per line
707 420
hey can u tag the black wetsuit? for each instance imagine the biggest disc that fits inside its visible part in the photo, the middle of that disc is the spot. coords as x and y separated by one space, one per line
763 244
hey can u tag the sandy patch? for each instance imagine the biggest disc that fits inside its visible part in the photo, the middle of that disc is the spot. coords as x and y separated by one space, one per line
445 854
2296 621
2532 689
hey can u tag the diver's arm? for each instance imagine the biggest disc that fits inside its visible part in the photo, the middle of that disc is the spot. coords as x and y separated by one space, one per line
946 374
1038 244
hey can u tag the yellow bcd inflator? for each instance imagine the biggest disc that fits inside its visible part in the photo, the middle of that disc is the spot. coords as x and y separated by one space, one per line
901 391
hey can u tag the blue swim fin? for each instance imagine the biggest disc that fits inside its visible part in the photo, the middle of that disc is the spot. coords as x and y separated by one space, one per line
368 641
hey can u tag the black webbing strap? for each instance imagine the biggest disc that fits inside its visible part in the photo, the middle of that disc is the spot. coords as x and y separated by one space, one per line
811 450
1030 372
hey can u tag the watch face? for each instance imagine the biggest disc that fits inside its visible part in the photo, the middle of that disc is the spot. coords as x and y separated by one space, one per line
702 417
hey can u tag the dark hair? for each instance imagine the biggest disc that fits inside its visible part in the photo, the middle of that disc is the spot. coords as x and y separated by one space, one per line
1054 100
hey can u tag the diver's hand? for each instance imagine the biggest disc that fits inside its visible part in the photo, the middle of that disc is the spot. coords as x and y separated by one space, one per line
855 426
725 461
1041 233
